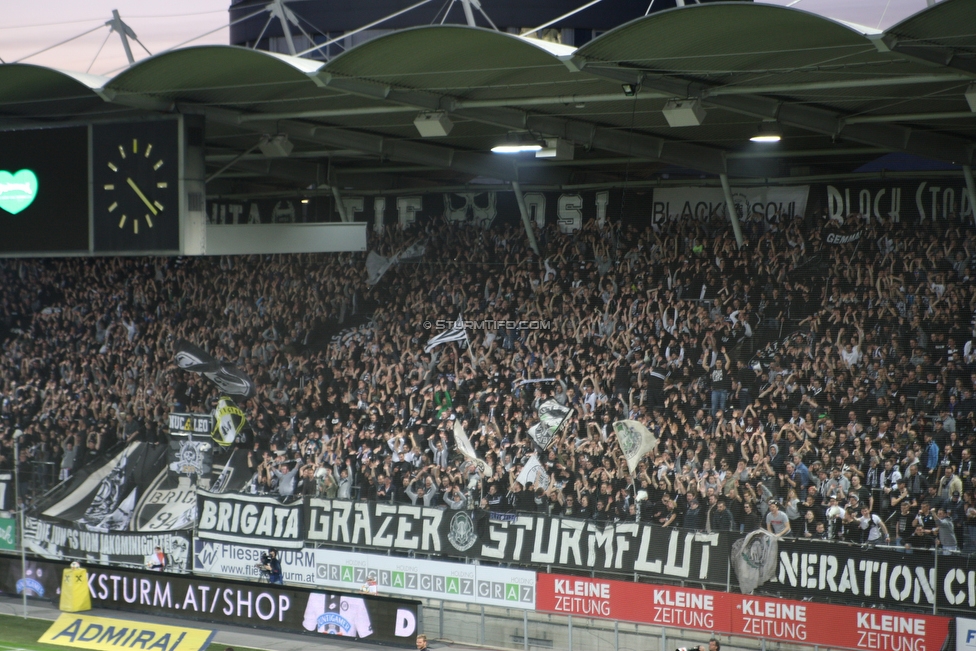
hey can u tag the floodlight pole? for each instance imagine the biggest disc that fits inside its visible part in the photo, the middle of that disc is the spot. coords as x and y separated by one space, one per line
124 32
20 520
524 211
730 207
967 172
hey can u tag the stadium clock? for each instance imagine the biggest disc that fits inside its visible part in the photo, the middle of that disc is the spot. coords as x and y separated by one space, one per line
135 173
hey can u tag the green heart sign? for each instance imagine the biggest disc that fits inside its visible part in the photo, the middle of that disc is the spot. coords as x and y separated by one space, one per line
17 190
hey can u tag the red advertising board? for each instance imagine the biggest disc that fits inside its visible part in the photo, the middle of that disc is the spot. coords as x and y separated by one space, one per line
845 627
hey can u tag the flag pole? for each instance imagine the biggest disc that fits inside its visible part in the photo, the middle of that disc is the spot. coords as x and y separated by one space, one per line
474 364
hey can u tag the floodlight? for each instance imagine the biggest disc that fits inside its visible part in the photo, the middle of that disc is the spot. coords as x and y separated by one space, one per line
768 132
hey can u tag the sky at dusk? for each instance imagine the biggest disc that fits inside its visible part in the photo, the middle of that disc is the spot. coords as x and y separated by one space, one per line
30 26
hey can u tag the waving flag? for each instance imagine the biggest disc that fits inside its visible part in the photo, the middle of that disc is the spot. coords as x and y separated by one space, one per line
635 441
456 333
231 380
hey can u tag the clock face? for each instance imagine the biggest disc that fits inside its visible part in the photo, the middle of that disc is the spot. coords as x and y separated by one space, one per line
136 186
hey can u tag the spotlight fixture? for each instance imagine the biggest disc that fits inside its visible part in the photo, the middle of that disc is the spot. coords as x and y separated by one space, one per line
684 113
768 132
630 89
517 142
433 124
556 149
277 146
971 96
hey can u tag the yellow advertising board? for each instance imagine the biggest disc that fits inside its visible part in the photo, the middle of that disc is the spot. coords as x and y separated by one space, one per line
104 634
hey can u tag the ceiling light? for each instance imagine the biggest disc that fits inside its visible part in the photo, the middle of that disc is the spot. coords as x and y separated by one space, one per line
684 113
277 146
768 132
630 89
971 96
516 149
518 142
556 149
434 124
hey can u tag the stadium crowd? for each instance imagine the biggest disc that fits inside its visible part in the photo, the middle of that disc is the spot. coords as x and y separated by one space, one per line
819 390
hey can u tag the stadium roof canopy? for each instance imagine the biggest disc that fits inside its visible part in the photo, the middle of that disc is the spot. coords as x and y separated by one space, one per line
842 95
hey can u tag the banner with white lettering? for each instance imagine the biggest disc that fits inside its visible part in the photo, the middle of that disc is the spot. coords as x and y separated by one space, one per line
383 620
771 204
250 520
626 547
834 572
913 202
398 576
62 541
7 491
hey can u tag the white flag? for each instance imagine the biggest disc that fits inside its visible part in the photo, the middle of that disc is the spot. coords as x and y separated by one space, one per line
551 417
377 265
533 472
456 333
635 441
467 450
754 559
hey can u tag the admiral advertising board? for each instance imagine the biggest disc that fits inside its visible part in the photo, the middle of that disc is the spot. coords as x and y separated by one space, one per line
827 625
377 619
404 577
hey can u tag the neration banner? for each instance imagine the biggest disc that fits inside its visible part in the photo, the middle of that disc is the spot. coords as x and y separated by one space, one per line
349 571
250 520
836 572
644 549
67 542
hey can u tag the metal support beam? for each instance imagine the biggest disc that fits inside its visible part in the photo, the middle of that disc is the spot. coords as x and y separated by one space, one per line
705 159
967 172
340 206
468 14
476 164
125 33
524 211
285 16
931 53
730 207
803 116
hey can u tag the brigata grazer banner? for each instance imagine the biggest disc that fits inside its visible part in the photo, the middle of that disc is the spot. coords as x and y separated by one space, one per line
628 547
396 576
798 622
250 520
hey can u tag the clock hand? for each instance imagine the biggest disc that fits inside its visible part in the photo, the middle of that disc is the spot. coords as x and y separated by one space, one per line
135 187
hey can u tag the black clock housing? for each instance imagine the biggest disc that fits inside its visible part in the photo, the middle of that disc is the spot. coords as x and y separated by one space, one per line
135 186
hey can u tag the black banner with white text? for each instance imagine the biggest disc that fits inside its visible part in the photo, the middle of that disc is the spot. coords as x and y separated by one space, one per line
841 573
627 547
